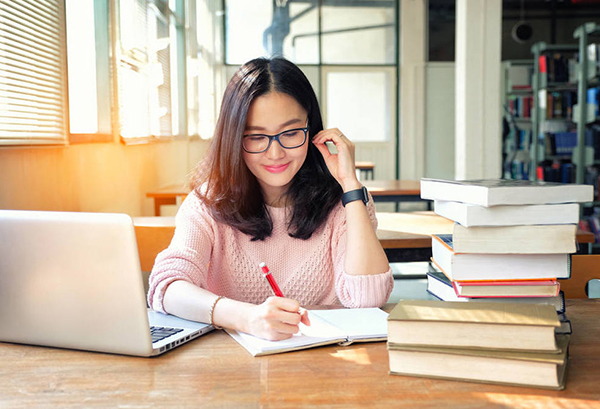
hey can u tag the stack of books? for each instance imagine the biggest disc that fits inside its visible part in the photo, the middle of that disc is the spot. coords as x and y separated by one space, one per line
511 240
511 344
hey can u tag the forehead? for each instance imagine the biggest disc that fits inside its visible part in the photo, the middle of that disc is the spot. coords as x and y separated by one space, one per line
271 110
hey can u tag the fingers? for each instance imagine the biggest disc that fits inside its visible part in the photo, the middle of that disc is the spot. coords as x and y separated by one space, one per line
304 316
282 317
334 135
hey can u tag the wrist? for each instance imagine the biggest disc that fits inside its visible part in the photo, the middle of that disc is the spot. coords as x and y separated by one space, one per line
351 184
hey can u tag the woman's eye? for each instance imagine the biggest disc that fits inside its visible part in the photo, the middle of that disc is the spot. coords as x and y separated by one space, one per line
291 134
255 138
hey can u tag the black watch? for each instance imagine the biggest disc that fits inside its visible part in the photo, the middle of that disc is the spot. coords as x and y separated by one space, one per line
358 194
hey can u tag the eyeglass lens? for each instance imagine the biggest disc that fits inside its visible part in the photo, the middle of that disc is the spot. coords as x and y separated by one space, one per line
293 138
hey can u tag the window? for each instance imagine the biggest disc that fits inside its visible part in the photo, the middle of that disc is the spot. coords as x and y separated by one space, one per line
312 32
348 51
362 102
149 67
32 73
89 71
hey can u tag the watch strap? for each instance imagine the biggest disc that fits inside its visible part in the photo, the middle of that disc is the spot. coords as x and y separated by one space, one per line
357 194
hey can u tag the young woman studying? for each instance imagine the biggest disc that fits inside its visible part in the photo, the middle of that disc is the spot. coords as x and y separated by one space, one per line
270 191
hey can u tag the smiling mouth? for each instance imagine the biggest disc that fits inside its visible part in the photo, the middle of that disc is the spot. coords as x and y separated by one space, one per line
277 169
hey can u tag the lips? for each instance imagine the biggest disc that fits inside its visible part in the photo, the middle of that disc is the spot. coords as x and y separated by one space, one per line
276 168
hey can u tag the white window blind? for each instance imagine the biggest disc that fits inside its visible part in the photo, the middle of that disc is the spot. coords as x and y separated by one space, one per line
32 72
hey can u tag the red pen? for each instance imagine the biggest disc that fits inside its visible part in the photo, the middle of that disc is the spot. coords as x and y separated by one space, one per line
276 290
270 279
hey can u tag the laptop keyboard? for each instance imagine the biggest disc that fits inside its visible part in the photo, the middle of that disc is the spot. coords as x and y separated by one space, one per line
160 333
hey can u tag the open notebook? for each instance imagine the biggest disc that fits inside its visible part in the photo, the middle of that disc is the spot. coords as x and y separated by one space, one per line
343 326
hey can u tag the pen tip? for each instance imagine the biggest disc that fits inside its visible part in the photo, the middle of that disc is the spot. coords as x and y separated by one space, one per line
263 264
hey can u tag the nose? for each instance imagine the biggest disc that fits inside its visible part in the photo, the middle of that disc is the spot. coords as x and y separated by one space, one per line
275 151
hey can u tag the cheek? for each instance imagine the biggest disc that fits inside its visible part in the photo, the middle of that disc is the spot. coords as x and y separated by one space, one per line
250 161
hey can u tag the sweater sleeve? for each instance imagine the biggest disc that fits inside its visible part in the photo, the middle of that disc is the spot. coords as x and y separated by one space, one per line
356 291
187 256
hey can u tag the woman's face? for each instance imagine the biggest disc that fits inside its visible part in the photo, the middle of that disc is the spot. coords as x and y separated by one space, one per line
275 168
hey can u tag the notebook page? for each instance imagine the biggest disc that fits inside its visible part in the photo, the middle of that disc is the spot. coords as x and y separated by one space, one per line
317 333
357 323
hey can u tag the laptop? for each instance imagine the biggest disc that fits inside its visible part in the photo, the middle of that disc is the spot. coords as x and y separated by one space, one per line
73 280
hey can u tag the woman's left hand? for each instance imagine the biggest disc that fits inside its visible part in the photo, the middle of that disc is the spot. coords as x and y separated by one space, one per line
340 165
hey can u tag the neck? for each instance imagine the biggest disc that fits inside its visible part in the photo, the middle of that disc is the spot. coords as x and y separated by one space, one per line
274 196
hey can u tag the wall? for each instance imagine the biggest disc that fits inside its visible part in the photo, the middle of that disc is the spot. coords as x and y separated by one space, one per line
439 120
105 177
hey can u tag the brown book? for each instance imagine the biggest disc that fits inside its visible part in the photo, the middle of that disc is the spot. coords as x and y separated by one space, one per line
492 325
533 369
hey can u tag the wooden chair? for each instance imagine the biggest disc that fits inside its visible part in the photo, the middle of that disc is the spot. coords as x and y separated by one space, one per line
153 235
585 277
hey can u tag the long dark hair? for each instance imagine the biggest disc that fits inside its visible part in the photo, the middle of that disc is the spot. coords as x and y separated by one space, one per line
231 192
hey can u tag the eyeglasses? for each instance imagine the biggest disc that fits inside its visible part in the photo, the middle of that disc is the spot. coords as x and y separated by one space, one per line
290 139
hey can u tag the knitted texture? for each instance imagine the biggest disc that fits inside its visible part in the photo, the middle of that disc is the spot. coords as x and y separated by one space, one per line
225 261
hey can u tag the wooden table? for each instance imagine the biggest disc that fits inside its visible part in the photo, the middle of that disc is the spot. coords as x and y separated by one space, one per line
407 236
214 371
396 191
404 236
366 168
168 195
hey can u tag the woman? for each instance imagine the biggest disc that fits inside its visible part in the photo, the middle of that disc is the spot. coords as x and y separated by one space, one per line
270 191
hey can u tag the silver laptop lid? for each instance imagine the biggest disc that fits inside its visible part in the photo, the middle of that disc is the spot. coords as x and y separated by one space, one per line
72 280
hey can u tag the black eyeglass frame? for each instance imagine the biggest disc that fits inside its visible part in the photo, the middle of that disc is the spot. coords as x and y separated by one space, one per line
276 137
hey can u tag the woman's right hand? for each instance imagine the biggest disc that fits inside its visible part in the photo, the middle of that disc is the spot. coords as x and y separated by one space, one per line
275 319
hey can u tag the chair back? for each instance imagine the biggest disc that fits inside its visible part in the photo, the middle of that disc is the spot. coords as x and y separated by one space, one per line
585 277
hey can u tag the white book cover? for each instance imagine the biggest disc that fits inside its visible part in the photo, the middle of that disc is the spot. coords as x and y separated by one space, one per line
470 266
494 192
470 215
343 326
539 239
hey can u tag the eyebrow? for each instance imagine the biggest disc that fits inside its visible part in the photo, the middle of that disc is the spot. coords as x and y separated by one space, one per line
283 125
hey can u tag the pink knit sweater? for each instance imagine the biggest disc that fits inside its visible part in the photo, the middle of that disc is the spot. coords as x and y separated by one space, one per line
225 261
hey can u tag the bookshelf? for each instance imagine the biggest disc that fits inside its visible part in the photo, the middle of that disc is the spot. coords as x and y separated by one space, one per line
588 74
516 109
554 87
587 154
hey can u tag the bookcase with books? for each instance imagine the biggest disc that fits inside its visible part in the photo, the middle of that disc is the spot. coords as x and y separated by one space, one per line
587 116
516 111
511 242
554 133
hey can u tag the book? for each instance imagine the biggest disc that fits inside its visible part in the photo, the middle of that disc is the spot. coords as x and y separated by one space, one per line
492 325
335 326
532 369
565 324
506 288
441 287
469 215
539 239
494 192
470 267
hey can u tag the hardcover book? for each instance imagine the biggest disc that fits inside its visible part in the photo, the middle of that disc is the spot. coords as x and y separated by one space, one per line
494 192
469 215
493 325
441 287
470 266
533 369
504 288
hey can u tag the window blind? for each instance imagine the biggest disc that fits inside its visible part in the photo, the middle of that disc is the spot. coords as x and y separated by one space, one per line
32 72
